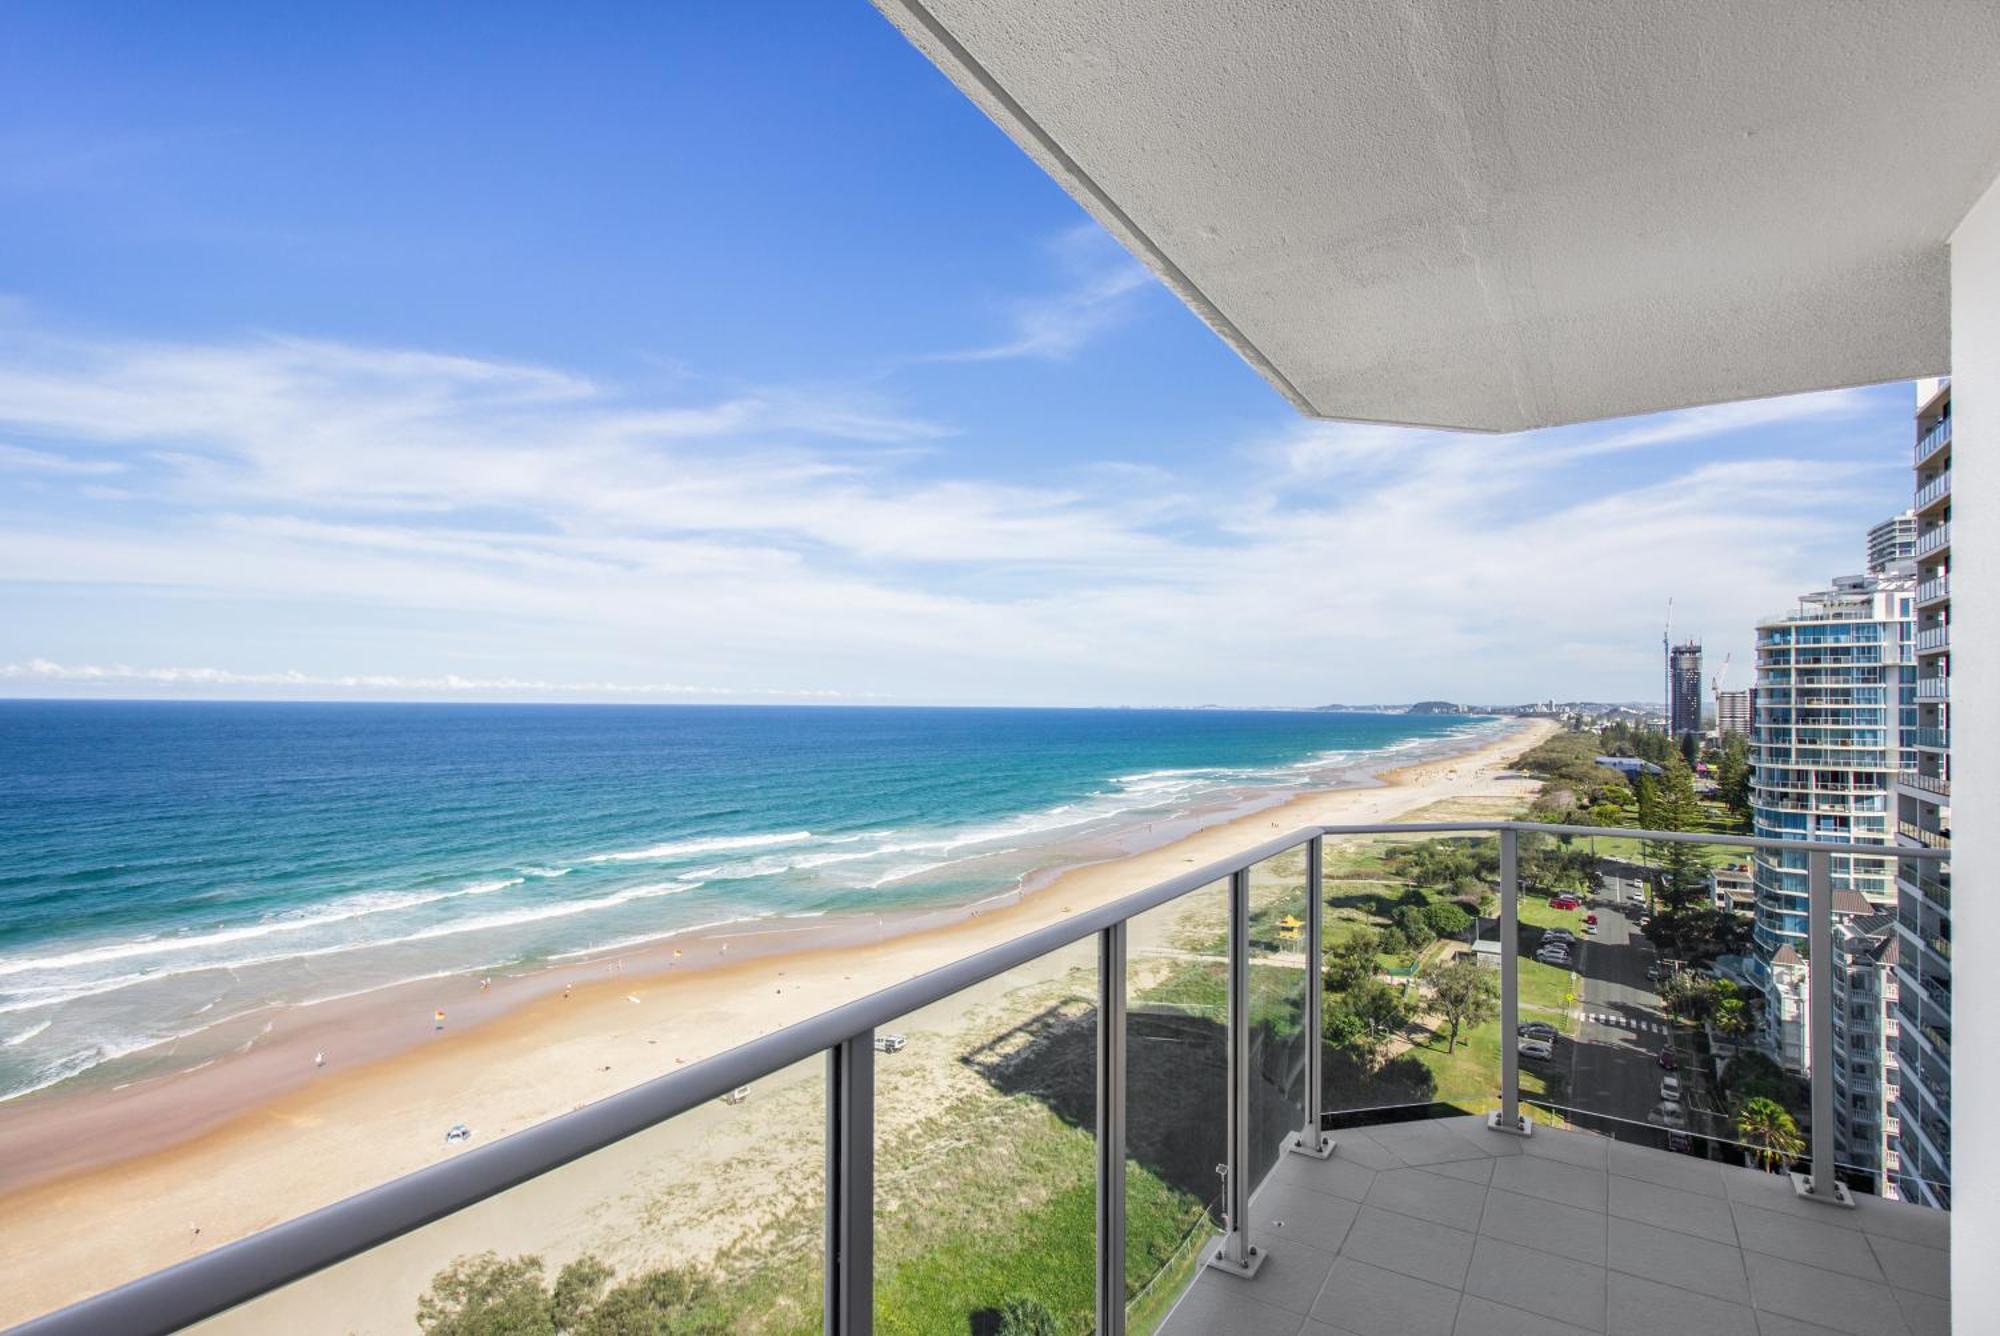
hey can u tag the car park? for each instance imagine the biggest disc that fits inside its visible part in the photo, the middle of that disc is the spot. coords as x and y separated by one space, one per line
1536 1050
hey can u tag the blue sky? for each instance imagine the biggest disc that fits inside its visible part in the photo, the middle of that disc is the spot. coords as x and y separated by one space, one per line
727 352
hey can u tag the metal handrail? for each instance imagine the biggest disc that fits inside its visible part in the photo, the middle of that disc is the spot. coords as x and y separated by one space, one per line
249 1268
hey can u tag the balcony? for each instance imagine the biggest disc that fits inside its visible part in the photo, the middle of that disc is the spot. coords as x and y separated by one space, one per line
1408 1216
1934 491
1934 440
1933 540
1933 638
1933 839
1934 590
1939 785
1933 739
1934 688
1559 1233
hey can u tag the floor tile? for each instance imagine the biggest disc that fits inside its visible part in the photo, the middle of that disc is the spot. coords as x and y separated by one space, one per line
1474 1129
1674 1258
1362 1149
1291 1276
1926 1315
1411 1246
1900 1220
1285 1212
1773 1192
1424 1143
1910 1266
1641 1307
1370 1301
1553 1180
1577 1148
1546 1226
1844 1303
1468 1171
1483 1317
1428 1196
1336 1175
1669 1170
1803 1239
1218 1303
1556 1287
1671 1208
1777 1324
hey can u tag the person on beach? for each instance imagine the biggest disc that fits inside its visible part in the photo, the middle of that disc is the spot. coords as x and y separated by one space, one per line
319 1058
440 1020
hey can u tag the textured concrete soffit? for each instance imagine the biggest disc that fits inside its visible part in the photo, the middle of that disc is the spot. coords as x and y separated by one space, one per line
1506 216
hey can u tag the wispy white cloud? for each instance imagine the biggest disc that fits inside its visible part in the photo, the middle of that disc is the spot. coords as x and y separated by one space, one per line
446 511
116 676
1102 284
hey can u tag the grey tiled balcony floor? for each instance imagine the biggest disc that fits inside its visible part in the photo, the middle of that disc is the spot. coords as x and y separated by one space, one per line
1443 1228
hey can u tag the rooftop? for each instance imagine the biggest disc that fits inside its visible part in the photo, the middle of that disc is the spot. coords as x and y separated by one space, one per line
1444 1228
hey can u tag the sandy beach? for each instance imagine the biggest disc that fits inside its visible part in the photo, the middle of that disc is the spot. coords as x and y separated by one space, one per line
105 1186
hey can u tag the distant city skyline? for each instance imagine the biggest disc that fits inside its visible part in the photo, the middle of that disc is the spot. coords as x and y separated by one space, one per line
384 370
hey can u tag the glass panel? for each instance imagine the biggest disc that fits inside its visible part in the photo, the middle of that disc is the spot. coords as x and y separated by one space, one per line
1177 1104
1402 914
1278 982
712 1221
986 1155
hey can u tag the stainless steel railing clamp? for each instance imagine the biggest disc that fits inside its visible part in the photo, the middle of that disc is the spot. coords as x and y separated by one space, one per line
1802 1185
1521 1126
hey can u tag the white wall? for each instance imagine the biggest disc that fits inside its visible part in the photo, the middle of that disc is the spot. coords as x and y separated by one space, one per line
1975 755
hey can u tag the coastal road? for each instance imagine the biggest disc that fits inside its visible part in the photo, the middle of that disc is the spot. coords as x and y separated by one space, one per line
1613 1062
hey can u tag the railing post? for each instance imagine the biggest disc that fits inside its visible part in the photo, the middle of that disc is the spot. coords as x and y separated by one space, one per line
1312 1139
1507 1118
1237 1255
1821 1184
1111 1040
850 1187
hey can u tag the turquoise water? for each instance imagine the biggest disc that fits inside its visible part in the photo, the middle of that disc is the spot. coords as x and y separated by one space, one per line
166 866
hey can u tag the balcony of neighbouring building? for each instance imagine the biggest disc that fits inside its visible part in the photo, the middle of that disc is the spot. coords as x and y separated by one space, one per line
1934 638
1937 589
1933 440
1935 490
1933 540
1934 688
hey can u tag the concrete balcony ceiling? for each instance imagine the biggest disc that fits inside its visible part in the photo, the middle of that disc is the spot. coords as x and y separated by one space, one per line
1509 216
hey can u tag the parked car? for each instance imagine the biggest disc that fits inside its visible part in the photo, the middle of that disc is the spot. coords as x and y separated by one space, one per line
1536 1050
456 1133
1590 920
1653 972
1590 930
1541 1030
1669 1115
1669 1059
890 1043
1564 902
1670 1088
1558 935
1553 957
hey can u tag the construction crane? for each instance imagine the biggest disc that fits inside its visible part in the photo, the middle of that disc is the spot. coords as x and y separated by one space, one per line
1715 687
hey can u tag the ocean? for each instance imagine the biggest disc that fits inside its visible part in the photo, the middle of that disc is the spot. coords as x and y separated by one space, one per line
167 866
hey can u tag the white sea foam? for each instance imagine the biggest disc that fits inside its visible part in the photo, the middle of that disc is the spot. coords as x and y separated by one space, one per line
663 853
340 911
646 939
15 1041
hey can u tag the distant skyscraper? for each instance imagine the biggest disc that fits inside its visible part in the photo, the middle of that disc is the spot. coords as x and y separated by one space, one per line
1834 713
1684 688
1891 542
1732 712
1922 1168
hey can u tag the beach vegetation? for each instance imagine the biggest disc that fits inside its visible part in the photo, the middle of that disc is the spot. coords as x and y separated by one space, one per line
490 1295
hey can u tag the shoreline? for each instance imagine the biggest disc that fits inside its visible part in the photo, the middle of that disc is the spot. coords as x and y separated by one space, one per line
266 1135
